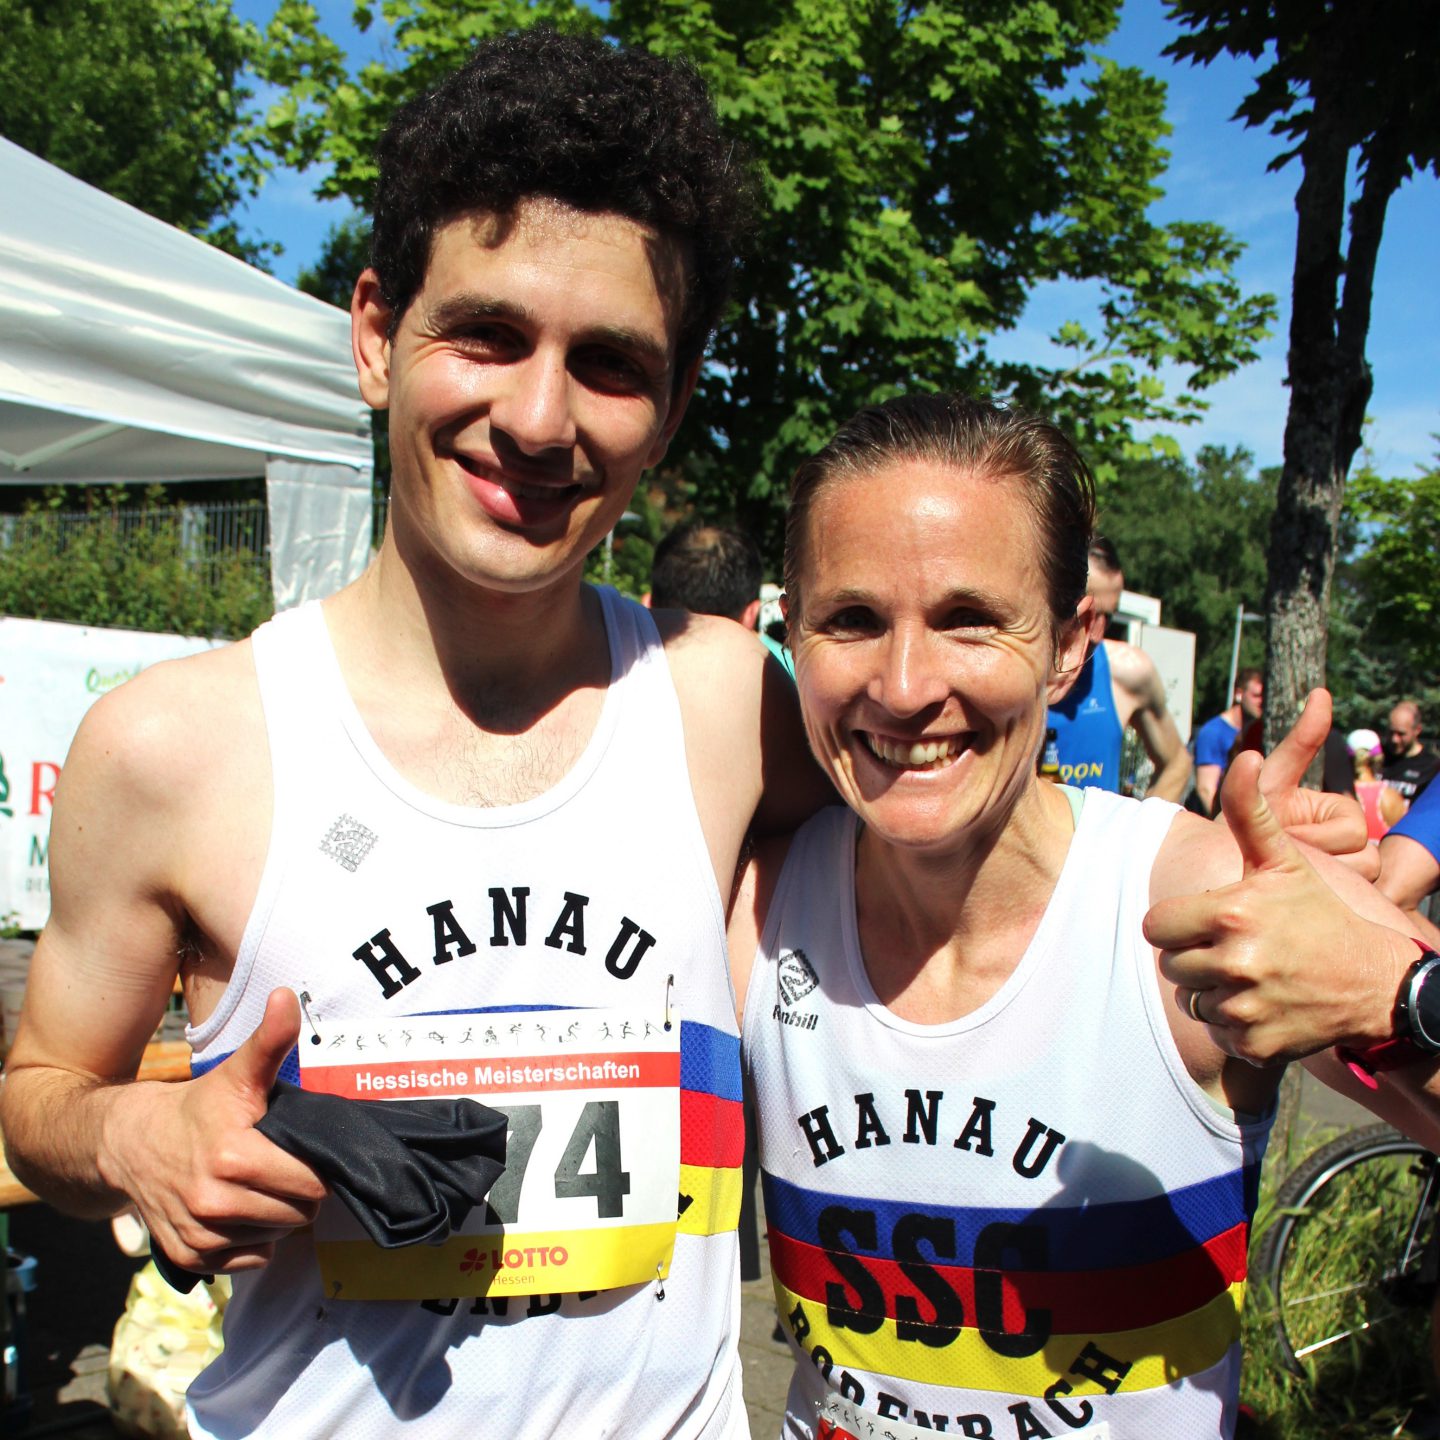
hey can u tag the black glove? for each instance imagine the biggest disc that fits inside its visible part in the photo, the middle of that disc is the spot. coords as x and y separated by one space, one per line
409 1170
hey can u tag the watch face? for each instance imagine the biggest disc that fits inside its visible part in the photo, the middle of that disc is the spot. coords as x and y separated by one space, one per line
1423 1004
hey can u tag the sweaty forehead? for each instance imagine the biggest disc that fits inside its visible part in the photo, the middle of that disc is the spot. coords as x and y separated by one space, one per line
599 268
947 520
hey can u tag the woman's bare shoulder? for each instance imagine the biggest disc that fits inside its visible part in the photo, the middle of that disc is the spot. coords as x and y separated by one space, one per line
1196 855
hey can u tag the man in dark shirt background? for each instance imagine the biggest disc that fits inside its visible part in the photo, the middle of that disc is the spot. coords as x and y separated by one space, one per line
1409 766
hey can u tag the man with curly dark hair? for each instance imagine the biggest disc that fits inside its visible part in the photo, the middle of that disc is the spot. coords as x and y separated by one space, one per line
601 129
439 794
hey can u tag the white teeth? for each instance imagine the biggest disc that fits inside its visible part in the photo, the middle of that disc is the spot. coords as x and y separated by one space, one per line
539 492
525 490
922 754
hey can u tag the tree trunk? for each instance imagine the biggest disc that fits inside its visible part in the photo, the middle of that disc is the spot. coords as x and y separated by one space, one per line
1383 169
1307 507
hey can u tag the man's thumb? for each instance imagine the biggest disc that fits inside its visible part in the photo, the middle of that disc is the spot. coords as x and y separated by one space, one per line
257 1062
1260 836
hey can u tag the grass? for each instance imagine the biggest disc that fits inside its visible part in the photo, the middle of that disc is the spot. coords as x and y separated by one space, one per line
1378 1383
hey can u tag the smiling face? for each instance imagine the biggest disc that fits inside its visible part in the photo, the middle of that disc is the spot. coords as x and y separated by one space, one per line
924 648
529 383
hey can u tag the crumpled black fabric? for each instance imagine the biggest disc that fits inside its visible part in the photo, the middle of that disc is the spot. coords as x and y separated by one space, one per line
410 1171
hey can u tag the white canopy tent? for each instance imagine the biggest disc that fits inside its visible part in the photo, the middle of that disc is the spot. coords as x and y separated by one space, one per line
130 351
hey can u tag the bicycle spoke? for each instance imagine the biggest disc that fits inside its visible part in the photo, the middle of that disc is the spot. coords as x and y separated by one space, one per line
1316 1346
1345 1259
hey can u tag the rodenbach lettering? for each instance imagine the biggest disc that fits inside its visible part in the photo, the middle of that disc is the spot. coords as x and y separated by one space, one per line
1027 1427
1094 1364
1075 1419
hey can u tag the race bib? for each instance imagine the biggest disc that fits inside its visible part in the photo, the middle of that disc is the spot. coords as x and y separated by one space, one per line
588 1200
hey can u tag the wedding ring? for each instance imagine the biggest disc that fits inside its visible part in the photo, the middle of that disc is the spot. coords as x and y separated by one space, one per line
1193 1006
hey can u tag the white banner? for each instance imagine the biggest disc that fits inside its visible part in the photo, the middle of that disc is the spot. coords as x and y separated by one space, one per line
50 675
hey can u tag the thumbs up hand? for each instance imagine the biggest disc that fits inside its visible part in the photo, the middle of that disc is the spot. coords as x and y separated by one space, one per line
215 1194
1277 965
1333 824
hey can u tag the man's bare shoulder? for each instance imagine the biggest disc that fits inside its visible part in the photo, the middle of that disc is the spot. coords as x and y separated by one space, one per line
162 731
1131 667
742 719
709 651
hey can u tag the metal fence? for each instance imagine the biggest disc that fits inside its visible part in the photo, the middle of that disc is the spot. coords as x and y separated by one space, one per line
219 527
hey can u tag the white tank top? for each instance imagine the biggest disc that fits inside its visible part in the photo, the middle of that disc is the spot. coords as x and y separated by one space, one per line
591 894
1026 1222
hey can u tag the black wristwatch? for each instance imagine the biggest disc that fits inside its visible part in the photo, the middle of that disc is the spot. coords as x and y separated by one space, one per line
1416 1035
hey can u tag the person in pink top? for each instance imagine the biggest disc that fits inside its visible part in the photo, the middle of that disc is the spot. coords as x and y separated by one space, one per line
1383 805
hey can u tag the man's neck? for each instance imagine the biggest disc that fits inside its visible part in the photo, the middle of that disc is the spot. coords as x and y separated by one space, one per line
495 653
1235 717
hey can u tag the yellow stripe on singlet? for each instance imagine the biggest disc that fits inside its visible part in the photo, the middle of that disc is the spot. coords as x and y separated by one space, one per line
1156 1355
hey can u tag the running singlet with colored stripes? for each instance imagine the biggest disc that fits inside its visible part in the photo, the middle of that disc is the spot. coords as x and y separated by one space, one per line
1088 732
1026 1222
383 903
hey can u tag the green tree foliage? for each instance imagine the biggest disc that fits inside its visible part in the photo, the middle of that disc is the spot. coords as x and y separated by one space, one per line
1385 610
1395 566
143 99
345 254
141 578
927 166
1343 84
1195 536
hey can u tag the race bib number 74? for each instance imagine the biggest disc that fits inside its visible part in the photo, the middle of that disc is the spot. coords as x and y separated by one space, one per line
588 1198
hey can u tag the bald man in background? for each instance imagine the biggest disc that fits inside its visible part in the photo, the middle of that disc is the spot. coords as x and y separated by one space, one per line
1409 766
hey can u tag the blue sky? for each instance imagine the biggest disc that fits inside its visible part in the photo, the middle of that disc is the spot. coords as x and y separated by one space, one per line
1217 172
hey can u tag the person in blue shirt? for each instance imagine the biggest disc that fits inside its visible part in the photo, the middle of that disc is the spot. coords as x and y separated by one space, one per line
1217 735
1410 860
1118 686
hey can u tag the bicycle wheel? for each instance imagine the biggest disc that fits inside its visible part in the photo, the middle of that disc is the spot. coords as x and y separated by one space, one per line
1349 1259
